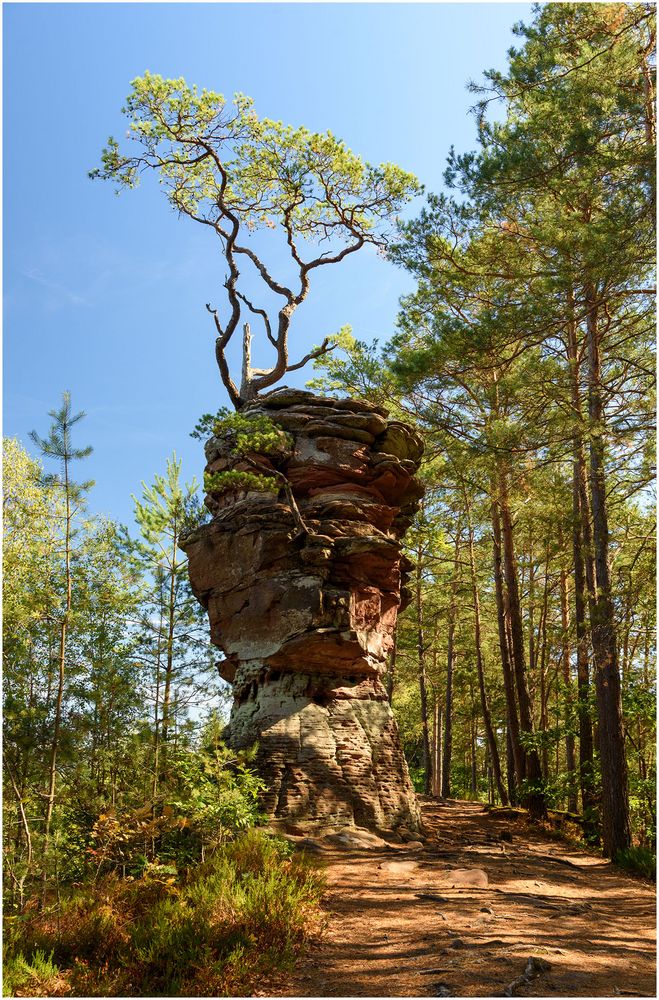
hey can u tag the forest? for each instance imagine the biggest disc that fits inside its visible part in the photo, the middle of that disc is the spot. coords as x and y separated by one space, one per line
137 855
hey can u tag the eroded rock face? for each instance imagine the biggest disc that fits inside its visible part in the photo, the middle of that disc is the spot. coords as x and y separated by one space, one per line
305 618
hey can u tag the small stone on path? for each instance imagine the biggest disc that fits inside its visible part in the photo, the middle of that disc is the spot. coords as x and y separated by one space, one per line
466 878
398 867
360 839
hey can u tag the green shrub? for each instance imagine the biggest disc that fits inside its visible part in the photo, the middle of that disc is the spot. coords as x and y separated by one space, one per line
218 798
245 909
213 931
417 776
168 941
212 796
638 859
256 852
38 976
91 930
233 479
244 432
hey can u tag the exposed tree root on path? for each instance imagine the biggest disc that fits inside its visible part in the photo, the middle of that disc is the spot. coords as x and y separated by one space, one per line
402 922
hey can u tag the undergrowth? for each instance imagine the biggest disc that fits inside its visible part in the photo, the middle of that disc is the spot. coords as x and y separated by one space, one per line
639 859
216 931
37 976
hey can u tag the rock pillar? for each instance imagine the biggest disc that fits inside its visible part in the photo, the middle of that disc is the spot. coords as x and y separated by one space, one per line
305 611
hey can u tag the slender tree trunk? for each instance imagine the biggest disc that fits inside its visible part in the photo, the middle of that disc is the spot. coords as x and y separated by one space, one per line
472 746
450 663
448 713
49 687
485 710
169 667
536 799
439 751
515 754
584 585
421 662
510 769
543 666
436 747
52 767
156 718
650 114
628 647
531 612
20 807
433 783
648 93
616 833
391 672
570 764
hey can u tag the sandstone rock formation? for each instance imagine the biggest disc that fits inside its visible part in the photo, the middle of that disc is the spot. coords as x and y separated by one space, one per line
304 612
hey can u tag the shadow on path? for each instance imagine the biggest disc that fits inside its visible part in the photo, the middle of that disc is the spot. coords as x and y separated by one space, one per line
397 932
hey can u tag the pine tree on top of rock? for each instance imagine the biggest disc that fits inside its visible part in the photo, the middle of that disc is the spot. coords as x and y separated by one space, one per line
223 166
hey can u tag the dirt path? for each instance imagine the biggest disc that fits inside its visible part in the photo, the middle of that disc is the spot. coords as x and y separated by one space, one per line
398 925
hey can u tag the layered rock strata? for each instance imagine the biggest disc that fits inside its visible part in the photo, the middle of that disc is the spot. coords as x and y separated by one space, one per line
303 606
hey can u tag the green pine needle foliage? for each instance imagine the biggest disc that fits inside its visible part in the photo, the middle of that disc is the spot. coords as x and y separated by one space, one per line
226 482
243 433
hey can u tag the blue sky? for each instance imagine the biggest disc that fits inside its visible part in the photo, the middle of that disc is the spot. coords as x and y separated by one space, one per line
104 295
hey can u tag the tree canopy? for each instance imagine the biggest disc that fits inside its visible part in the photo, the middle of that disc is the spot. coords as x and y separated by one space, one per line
224 167
525 352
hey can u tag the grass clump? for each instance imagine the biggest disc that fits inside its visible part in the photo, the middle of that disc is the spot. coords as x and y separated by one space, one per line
215 931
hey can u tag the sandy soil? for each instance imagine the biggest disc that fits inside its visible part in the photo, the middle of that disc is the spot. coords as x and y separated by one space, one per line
397 925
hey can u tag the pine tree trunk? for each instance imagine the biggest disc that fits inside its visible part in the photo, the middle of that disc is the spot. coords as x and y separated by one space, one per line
436 748
52 766
169 665
544 685
391 672
485 710
535 799
448 714
650 116
616 833
584 584
516 754
570 763
531 611
472 747
439 752
421 662
450 662
156 719
510 769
